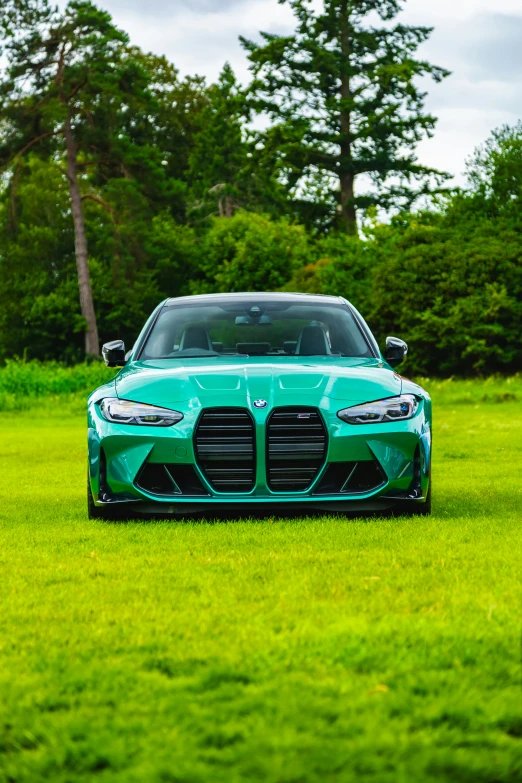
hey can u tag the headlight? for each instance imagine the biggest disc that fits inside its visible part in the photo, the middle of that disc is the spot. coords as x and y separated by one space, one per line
392 409
126 412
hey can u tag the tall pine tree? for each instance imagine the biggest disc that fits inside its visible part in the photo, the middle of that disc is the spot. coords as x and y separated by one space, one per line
346 105
229 169
219 158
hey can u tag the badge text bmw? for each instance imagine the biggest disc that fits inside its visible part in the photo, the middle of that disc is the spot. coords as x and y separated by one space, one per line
260 403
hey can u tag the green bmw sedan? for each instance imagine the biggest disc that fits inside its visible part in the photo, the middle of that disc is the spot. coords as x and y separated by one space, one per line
258 402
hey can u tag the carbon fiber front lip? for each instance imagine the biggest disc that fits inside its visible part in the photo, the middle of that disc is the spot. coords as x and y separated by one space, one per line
125 501
274 509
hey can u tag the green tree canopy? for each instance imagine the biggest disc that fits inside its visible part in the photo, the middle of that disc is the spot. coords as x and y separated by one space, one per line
228 169
447 280
71 94
494 174
218 162
166 131
133 265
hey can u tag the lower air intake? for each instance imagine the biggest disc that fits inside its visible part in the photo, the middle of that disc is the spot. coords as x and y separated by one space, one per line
296 448
167 480
224 444
351 478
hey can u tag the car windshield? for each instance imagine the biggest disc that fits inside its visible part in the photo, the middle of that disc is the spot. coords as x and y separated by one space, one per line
255 327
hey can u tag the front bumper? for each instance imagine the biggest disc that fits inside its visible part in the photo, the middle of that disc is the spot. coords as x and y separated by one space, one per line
118 454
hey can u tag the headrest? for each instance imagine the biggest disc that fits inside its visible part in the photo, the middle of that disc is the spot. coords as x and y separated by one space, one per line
195 337
312 341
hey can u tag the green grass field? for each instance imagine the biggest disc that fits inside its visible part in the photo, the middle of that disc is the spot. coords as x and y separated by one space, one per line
281 651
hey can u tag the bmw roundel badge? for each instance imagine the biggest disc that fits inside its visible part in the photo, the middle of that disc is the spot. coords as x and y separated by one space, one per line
260 403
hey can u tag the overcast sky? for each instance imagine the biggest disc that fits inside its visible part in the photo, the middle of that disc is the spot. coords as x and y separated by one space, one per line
480 41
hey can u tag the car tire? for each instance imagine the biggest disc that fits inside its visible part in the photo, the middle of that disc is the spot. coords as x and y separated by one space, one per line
97 512
424 509
102 512
93 511
415 509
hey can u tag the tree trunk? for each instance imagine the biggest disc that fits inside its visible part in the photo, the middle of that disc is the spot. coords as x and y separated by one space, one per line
229 207
92 343
347 206
346 174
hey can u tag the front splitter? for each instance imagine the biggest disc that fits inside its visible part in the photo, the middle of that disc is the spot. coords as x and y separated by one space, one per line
235 510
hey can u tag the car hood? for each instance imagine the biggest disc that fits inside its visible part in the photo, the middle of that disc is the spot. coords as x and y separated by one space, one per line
231 382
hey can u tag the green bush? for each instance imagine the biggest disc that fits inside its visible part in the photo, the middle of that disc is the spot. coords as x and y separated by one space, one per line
340 265
23 384
249 252
454 292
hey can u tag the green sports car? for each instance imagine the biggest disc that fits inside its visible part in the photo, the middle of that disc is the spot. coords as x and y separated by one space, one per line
258 403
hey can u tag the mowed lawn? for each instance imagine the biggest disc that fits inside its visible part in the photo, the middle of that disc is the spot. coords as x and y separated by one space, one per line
287 651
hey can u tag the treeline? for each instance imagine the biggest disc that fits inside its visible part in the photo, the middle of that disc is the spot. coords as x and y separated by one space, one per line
129 183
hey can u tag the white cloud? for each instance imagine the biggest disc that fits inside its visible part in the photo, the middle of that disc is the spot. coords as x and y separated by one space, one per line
482 49
169 10
201 42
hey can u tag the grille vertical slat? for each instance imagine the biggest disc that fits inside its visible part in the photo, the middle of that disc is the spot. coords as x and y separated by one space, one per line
296 448
224 444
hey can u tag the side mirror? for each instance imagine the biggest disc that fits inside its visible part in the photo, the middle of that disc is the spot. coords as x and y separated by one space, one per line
114 353
396 351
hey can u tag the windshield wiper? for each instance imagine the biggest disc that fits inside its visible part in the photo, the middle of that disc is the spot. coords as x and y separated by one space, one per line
209 355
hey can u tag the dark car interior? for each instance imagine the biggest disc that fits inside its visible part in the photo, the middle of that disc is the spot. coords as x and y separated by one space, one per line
290 330
312 341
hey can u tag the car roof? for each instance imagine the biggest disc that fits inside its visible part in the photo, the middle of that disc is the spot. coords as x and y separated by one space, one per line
258 295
